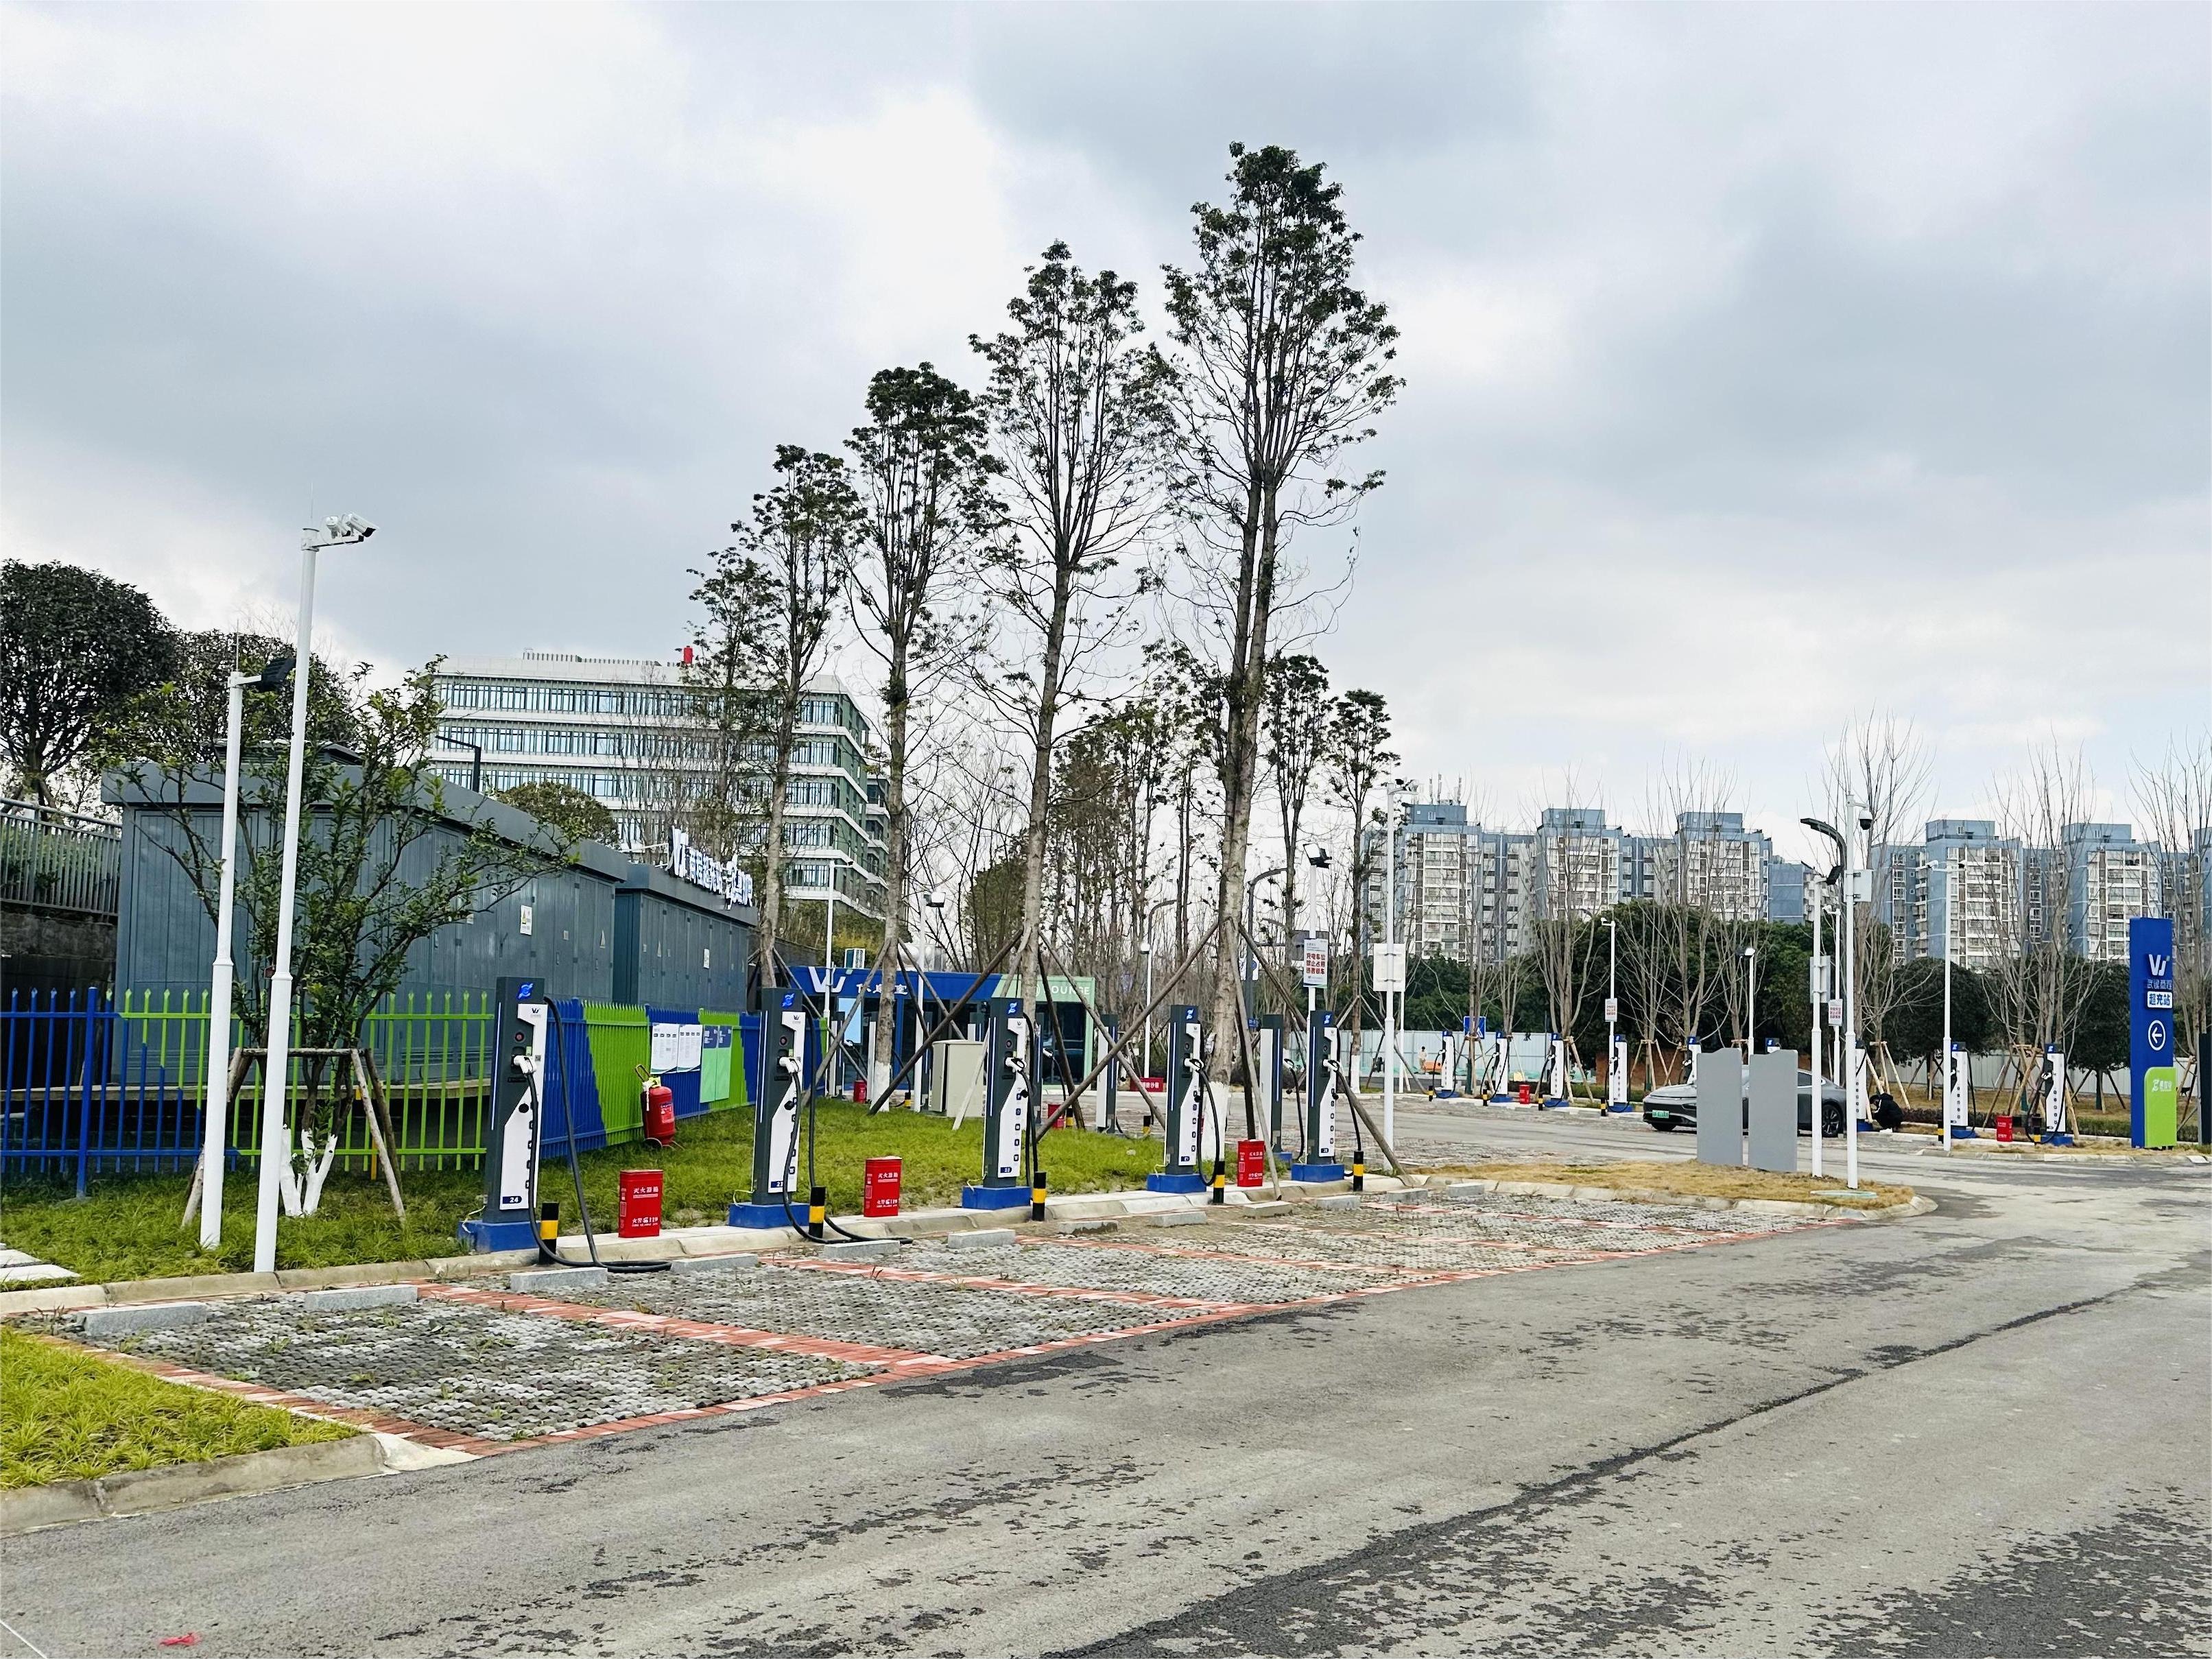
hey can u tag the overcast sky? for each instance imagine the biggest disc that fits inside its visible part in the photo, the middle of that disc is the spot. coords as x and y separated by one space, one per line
1765 365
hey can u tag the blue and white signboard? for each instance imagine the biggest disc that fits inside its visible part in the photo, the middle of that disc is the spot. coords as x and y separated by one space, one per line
2154 1085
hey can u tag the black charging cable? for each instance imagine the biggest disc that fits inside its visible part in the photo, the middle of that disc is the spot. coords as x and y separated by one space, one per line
546 1251
806 1229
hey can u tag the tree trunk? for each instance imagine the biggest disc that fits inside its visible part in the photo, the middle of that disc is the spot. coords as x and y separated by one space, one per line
1029 953
771 913
1240 747
895 872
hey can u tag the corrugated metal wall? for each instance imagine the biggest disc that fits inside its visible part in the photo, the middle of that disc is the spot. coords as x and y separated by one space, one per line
678 944
689 947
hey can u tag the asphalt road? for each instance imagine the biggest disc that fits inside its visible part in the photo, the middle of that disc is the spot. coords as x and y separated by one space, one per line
1981 1431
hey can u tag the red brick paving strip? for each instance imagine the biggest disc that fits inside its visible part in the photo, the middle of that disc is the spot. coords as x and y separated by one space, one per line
900 1365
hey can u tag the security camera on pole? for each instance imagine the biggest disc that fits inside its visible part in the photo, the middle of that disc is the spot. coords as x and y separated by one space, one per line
216 1108
1816 976
276 1076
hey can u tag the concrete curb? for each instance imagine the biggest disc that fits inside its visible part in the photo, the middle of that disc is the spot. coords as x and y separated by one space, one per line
145 1491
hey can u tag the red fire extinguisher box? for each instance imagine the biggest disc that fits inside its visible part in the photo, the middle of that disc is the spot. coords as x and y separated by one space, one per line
879 1186
1251 1163
638 1206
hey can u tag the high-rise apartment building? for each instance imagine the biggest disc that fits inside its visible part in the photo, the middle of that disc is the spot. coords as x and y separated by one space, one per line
1712 861
1977 897
616 729
1460 888
2110 879
1464 888
1582 864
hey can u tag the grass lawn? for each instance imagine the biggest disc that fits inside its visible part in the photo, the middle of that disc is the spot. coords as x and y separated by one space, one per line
126 1226
1687 1179
65 1414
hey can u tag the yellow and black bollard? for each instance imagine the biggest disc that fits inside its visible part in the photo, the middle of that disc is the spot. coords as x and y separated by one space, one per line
1220 1183
549 1227
1039 1183
817 1212
1359 1176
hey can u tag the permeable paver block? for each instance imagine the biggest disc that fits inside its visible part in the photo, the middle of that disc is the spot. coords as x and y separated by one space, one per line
477 1371
887 1310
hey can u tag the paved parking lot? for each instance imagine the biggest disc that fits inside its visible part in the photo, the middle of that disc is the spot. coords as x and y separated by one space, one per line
483 1369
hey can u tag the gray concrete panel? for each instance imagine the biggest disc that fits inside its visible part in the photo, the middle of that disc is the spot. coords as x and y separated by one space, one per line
1774 1111
1720 1106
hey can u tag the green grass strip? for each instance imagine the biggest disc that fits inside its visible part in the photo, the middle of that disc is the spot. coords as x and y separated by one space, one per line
126 1227
69 1415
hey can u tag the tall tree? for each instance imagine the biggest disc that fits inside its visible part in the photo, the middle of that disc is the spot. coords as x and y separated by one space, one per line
925 480
2173 808
1356 760
787 571
2036 985
184 717
1077 420
569 810
1297 731
1879 771
76 648
1283 363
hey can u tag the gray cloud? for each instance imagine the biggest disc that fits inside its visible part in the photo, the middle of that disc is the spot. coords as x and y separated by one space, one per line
1871 342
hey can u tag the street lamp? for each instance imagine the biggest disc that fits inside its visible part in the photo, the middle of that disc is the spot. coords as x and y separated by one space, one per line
276 1076
215 1107
1847 926
476 759
1816 976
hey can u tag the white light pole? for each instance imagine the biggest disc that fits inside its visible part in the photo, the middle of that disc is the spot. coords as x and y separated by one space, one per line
1848 922
215 1099
1389 942
1847 925
1820 1013
1943 1105
276 1076
1750 1002
1613 1007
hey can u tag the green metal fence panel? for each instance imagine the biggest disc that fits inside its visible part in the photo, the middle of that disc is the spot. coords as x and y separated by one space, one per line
429 1049
735 1101
620 1044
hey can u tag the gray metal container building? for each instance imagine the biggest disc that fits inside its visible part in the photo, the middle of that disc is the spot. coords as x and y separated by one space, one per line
677 946
562 926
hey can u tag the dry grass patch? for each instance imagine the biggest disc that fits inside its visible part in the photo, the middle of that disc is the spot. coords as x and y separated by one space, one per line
1687 1179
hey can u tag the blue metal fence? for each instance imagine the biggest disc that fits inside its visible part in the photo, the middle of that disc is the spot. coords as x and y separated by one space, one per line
83 1088
91 1086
